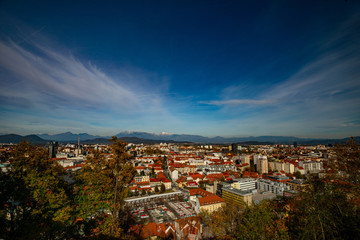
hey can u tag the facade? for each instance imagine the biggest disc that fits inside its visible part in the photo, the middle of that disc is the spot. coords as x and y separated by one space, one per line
140 178
217 167
237 197
244 184
297 185
266 185
262 165
245 158
209 203
175 175
212 187
289 168
311 166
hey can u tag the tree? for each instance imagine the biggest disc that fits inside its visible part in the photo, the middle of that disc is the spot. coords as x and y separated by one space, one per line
153 174
240 222
102 187
35 196
329 208
297 174
163 188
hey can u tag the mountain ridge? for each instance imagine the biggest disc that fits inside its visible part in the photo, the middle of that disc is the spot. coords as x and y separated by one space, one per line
145 137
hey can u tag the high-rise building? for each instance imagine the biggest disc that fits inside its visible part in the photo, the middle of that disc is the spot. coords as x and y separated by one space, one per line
245 158
235 148
262 165
52 147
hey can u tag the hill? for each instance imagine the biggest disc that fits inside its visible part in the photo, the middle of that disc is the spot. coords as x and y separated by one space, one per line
14 138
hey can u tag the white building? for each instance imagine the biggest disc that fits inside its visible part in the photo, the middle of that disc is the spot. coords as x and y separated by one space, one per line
175 175
311 166
244 184
270 186
289 168
262 166
245 158
257 157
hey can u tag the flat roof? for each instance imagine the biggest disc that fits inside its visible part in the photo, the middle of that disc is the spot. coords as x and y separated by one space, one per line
237 191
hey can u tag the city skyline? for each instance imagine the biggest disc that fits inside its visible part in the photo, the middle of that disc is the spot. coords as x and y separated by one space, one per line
206 68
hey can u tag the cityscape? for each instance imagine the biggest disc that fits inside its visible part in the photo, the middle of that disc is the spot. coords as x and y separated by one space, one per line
179 120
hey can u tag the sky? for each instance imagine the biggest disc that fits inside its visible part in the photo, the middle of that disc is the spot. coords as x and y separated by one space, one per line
211 68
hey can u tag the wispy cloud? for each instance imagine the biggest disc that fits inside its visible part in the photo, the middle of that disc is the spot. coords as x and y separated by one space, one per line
45 76
44 82
234 102
323 92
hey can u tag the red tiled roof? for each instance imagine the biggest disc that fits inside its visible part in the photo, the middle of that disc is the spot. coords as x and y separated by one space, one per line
214 199
200 192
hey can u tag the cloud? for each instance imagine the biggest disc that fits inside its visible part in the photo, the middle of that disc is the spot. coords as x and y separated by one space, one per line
41 76
234 102
321 98
43 82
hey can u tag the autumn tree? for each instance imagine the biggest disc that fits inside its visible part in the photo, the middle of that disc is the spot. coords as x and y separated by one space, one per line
35 197
101 190
232 221
162 188
330 207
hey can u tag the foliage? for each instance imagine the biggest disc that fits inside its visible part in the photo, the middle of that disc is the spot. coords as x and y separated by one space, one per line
254 222
35 199
330 208
162 188
102 188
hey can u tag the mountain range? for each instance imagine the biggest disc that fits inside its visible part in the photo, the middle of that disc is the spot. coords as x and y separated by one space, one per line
145 137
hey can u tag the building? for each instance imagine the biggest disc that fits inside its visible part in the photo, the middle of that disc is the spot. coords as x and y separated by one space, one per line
188 228
212 187
245 158
257 157
244 184
297 185
289 168
262 165
237 197
311 166
53 147
198 193
140 178
209 203
266 185
175 175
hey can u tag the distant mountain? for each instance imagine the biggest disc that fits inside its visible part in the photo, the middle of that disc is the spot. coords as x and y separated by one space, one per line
164 136
134 140
68 137
145 137
201 139
219 140
14 138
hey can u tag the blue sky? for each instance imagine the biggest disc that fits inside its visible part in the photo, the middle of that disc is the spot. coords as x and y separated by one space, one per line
214 68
